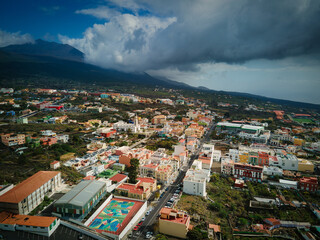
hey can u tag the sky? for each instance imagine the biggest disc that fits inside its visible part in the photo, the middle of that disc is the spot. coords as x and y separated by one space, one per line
265 47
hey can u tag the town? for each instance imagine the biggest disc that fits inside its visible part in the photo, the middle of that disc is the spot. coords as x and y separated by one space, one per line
105 164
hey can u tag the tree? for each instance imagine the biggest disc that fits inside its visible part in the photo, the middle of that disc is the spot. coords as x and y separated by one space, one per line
22 159
161 237
194 234
243 222
133 170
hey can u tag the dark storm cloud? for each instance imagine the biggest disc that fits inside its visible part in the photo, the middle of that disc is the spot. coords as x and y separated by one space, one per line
238 31
184 33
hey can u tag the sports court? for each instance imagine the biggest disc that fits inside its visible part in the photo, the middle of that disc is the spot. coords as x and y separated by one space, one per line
116 215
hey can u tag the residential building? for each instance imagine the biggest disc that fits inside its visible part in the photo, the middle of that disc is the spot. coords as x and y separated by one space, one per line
148 170
309 184
54 165
165 173
63 138
141 190
94 109
88 171
27 195
118 167
80 200
216 155
287 161
194 129
11 139
139 153
192 114
48 133
234 155
227 166
305 166
97 168
39 225
263 159
253 158
23 120
272 171
243 156
48 140
194 182
159 119
248 172
174 223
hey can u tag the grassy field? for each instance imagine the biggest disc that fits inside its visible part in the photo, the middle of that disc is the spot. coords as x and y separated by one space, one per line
302 120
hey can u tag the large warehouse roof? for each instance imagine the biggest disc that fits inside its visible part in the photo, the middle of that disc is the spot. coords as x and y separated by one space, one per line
82 193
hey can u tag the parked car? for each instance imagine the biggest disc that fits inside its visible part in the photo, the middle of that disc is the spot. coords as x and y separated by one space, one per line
142 219
136 228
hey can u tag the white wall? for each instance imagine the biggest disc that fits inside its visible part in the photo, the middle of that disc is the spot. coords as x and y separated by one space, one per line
96 213
137 216
194 188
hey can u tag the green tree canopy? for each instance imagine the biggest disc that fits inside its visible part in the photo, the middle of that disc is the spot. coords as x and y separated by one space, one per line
133 170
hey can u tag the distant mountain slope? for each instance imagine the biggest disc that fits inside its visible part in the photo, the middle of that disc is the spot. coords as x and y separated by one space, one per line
52 64
41 68
49 49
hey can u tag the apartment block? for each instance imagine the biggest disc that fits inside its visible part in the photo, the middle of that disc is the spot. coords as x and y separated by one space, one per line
309 184
195 181
174 223
249 172
11 139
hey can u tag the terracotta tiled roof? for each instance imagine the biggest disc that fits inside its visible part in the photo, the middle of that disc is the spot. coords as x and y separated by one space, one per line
26 220
118 177
216 228
28 186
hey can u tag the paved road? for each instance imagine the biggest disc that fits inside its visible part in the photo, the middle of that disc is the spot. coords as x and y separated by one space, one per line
151 219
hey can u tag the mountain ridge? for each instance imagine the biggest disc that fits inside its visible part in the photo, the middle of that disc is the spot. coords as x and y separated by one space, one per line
61 62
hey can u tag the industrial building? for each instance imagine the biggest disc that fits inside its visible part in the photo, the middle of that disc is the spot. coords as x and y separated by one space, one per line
79 201
27 195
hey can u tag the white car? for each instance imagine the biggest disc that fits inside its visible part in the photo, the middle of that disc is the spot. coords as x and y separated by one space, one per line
142 219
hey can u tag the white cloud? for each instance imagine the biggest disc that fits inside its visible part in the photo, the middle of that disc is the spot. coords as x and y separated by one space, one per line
128 4
100 12
122 43
7 38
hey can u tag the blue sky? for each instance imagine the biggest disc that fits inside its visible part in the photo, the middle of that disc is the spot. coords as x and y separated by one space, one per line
46 18
269 47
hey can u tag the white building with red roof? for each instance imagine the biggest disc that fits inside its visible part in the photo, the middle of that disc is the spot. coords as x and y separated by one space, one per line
40 225
27 195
